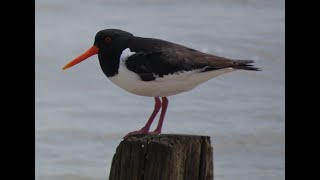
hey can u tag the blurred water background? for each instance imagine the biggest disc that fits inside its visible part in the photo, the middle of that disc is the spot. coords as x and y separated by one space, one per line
81 116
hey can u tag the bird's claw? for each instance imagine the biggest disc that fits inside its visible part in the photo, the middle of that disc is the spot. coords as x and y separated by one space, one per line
156 132
142 131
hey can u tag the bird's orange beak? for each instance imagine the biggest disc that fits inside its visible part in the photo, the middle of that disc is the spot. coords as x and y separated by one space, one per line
92 51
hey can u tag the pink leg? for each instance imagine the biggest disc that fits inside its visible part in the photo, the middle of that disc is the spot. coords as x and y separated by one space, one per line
163 113
145 129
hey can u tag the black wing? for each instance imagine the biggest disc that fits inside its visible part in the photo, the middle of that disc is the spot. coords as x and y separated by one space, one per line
156 58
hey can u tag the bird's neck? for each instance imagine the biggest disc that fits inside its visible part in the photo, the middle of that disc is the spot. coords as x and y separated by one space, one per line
109 62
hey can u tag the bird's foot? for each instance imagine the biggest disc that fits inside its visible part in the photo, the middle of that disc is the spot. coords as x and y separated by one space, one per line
141 131
155 132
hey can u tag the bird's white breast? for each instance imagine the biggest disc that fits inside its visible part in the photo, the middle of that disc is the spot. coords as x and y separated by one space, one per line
162 86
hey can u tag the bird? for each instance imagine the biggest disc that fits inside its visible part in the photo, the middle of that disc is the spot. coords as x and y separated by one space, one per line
155 68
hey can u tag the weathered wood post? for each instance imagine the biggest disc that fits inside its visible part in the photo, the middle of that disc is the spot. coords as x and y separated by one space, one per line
163 157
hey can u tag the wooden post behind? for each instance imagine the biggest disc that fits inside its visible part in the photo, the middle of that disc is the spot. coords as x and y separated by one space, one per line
163 157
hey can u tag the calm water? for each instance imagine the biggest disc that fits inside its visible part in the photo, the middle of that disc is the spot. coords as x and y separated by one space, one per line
81 116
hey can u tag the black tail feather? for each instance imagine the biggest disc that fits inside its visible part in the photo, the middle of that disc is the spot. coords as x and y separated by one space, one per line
245 65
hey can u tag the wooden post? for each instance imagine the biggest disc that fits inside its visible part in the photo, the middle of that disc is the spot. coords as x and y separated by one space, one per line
163 157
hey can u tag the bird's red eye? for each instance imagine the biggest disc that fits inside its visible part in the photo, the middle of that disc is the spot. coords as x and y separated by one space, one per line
108 39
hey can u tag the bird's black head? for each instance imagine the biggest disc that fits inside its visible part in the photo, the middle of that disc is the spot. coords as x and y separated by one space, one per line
108 43
112 39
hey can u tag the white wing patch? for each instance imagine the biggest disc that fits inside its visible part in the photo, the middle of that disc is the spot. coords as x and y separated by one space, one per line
125 54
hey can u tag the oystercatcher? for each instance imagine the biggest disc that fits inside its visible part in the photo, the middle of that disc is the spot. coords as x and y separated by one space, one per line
155 68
